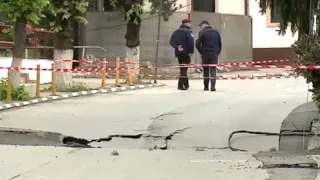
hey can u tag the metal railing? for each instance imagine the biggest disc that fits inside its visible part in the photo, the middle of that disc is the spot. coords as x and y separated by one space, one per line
83 52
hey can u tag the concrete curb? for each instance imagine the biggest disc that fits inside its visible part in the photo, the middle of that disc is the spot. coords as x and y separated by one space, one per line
75 94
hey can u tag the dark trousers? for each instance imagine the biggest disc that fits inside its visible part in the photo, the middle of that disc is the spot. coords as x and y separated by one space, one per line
183 79
209 72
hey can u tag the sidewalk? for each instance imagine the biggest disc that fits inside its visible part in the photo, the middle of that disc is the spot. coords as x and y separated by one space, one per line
94 88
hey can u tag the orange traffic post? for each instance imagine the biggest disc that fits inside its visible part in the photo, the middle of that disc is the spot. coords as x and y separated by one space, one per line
38 82
128 72
117 79
53 80
9 85
103 74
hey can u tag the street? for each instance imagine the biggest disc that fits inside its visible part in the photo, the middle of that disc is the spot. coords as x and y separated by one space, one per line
178 126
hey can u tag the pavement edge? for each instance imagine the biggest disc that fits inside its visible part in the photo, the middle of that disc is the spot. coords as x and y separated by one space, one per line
75 94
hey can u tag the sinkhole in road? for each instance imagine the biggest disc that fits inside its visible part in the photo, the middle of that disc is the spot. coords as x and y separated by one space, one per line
298 130
295 134
286 140
26 137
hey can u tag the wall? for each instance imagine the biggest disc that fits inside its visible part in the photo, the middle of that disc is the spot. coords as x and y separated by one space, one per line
27 63
108 29
235 33
236 7
263 36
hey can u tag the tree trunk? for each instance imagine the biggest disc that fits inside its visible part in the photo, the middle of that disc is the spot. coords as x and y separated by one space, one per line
133 54
76 52
63 79
133 48
18 50
64 45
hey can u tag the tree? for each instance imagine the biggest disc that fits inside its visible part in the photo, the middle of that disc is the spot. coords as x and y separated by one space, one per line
20 12
60 17
133 10
294 14
298 15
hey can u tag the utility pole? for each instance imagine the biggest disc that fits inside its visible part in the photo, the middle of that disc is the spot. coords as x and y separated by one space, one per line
158 39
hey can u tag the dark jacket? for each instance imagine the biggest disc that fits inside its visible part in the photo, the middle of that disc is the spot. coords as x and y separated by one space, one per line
184 37
209 41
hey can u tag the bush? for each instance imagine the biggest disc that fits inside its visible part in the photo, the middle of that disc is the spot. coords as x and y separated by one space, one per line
307 50
17 94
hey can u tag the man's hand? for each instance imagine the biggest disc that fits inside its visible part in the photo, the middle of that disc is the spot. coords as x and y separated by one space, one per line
180 48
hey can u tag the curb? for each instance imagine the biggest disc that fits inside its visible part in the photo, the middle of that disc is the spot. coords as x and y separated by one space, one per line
75 94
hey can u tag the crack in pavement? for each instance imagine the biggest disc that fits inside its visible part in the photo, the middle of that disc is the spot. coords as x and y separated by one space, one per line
203 148
171 113
169 137
40 166
29 170
139 136
297 165
10 136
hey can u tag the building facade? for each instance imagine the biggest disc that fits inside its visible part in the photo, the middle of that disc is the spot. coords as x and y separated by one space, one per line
107 28
267 43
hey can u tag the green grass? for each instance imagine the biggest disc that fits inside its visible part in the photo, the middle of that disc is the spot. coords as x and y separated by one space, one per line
74 87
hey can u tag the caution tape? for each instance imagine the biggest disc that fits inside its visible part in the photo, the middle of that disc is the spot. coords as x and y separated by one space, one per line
229 77
68 69
101 69
234 65
95 61
232 77
83 61
258 62
113 69
250 66
104 60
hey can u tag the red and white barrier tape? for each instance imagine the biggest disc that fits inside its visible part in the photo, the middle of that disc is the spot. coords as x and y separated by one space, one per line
141 68
96 61
235 77
67 69
101 61
251 66
257 62
230 77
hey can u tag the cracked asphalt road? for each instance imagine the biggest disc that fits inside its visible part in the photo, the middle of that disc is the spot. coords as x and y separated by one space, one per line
193 123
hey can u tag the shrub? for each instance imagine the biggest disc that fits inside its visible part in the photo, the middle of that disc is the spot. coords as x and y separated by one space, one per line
17 94
307 50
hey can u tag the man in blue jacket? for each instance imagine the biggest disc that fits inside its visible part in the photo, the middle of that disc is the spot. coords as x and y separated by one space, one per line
209 46
183 43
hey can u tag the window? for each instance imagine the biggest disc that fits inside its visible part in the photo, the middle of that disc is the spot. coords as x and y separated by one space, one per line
204 5
273 16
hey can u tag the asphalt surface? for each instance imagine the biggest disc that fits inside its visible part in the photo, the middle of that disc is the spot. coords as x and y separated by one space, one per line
167 119
206 117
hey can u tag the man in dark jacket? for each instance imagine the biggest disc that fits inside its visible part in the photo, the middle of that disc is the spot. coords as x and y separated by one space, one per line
183 43
209 46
